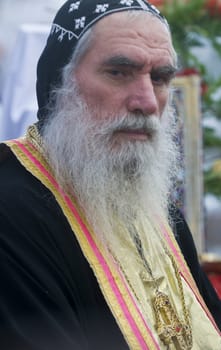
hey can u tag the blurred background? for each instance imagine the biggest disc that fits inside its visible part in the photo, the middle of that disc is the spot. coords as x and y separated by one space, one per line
24 26
196 31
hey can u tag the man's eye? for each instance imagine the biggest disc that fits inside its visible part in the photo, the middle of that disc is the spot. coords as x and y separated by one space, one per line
114 72
118 73
159 79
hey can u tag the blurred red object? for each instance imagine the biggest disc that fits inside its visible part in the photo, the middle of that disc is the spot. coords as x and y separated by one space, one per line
216 282
188 71
213 7
193 71
157 2
211 264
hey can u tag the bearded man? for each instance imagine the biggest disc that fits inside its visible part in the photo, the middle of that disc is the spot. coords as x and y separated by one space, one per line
88 257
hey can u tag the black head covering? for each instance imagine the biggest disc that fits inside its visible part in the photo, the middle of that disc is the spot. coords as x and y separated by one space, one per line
72 20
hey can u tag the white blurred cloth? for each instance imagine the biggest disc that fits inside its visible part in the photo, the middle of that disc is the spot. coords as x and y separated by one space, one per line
19 102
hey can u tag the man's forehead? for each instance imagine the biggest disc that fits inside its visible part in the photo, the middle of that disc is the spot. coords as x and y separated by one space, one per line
119 40
126 23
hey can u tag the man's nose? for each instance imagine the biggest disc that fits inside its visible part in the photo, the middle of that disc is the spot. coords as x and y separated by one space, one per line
142 98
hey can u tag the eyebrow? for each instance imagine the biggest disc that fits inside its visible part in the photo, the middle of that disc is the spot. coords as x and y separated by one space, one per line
167 70
120 60
124 61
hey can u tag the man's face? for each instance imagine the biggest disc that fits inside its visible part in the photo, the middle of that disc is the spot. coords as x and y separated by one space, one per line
110 137
127 71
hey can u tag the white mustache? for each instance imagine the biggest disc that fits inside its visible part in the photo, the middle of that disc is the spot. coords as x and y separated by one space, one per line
149 124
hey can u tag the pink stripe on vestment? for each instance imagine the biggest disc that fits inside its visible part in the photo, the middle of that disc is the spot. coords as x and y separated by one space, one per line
138 311
97 253
113 283
171 244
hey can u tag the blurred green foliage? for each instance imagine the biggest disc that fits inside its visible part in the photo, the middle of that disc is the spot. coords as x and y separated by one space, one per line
190 23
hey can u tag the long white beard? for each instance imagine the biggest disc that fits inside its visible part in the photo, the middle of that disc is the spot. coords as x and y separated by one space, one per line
113 179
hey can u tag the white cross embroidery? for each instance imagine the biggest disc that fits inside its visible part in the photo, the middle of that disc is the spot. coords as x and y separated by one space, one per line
74 6
126 2
101 8
61 36
80 22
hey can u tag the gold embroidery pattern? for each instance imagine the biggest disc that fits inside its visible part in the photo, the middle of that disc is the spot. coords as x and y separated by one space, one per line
169 327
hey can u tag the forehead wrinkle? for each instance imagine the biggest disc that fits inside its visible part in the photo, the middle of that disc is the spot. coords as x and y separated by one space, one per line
136 56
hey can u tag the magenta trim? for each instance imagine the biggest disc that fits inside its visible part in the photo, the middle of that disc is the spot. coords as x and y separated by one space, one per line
170 242
167 236
138 311
98 254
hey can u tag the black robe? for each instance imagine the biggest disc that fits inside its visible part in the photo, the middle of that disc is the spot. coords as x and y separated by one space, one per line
49 296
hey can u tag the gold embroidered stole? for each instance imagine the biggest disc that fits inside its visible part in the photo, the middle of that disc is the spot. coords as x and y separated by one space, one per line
111 281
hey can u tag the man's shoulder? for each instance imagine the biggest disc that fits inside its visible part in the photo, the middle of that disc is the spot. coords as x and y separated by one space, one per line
10 171
21 194
14 178
5 152
7 159
29 211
